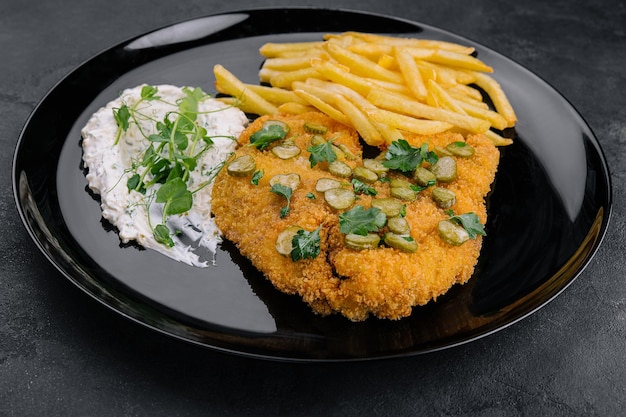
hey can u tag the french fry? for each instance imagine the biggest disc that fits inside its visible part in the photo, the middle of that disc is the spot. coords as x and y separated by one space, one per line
497 139
324 107
409 124
286 79
227 83
497 96
276 96
419 43
271 50
458 60
443 99
360 121
295 108
410 73
420 110
335 73
360 65
496 120
290 64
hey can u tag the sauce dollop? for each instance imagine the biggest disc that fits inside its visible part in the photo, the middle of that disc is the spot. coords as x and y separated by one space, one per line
112 160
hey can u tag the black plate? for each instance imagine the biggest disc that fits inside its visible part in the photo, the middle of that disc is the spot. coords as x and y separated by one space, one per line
549 208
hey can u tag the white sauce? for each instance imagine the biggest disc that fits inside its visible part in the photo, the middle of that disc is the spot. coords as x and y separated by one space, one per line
110 165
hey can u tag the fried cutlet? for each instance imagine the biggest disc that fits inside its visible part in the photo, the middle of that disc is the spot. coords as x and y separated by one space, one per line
384 282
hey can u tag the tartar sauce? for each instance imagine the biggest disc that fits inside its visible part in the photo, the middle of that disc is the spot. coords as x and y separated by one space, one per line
112 161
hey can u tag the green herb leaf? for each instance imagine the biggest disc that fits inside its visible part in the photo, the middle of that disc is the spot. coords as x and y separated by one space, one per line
133 182
470 222
306 244
322 152
404 157
311 196
122 117
360 221
256 177
176 197
148 92
285 192
268 134
162 235
361 188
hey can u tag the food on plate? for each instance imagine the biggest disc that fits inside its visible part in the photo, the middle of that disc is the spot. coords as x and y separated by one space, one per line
152 155
382 86
353 234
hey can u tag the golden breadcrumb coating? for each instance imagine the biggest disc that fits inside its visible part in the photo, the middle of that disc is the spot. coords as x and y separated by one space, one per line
383 282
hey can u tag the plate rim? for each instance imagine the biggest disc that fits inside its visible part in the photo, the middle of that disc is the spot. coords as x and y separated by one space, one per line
600 236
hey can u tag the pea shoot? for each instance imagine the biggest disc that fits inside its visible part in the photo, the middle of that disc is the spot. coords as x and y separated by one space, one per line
174 147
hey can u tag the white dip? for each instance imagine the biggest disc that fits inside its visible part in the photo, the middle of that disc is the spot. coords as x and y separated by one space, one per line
111 164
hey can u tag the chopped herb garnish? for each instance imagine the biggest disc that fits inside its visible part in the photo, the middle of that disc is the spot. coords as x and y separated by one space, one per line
470 222
322 152
360 221
269 133
256 177
311 196
362 188
306 244
404 157
285 192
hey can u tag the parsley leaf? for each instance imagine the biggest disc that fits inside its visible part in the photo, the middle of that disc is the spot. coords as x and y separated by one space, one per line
268 134
285 192
404 157
361 188
305 244
470 222
322 152
360 221
256 177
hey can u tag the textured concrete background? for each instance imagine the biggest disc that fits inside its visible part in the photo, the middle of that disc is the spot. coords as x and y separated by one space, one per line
62 354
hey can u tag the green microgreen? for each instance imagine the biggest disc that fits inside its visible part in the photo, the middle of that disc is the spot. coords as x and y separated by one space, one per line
174 146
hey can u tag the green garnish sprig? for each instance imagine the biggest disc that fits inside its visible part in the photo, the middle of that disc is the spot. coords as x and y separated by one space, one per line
470 222
172 154
406 158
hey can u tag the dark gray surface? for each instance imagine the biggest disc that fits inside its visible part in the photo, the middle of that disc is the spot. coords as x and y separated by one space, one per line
62 354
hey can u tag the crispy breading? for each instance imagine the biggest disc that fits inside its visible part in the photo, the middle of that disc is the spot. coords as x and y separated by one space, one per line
383 282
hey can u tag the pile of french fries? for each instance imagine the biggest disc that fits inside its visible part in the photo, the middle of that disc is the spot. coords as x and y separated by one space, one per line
380 85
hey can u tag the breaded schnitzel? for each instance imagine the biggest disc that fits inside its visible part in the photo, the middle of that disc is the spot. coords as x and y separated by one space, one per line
385 281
